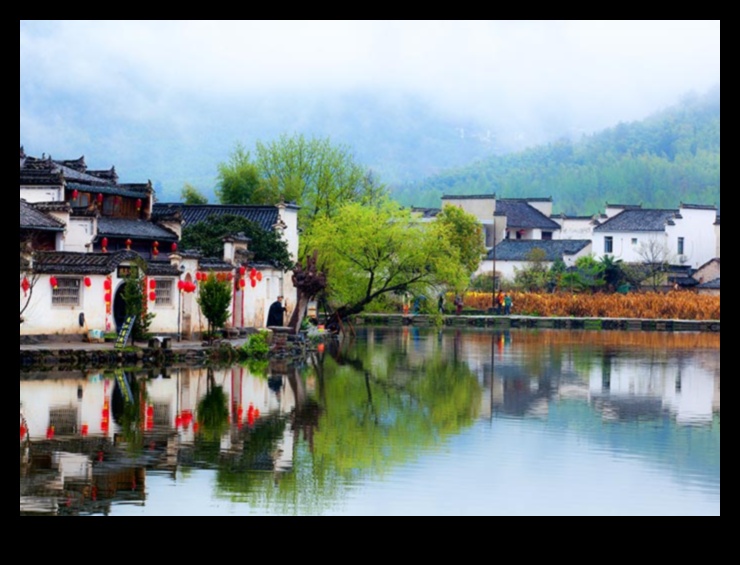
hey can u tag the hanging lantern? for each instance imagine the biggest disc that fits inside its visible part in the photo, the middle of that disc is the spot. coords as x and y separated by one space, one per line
25 285
242 271
53 282
104 244
84 429
230 277
88 282
128 244
253 283
253 273
152 284
138 204
173 247
242 283
100 198
259 276
108 296
107 284
75 194
152 296
180 285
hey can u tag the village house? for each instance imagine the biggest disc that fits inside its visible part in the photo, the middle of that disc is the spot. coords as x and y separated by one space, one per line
82 233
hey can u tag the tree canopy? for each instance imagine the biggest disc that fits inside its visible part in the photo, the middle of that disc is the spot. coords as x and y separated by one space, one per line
207 236
313 172
371 251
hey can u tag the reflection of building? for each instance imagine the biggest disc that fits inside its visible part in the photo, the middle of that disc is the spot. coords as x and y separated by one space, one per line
78 449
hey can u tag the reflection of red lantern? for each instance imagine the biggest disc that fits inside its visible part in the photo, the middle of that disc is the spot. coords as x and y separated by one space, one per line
152 296
84 429
53 282
253 273
25 285
88 282
50 432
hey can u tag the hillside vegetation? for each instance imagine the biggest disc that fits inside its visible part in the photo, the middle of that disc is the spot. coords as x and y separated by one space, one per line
668 158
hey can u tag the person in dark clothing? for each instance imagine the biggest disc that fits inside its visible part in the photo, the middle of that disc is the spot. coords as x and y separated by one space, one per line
276 314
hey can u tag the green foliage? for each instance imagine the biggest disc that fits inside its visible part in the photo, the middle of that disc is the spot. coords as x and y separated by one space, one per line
465 234
135 300
535 276
369 251
207 236
214 299
256 347
670 157
316 174
191 195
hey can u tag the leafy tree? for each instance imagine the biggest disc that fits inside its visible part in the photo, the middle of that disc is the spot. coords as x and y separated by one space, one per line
214 299
191 195
612 272
135 300
316 174
465 234
369 251
207 236
535 275
239 181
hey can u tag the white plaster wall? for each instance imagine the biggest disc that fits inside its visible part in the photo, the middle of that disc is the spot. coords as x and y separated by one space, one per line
42 194
575 228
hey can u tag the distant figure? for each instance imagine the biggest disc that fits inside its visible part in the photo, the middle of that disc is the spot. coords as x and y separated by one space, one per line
276 314
458 304
441 303
507 304
499 302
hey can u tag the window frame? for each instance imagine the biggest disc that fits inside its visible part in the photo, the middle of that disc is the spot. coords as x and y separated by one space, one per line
62 295
164 288
608 244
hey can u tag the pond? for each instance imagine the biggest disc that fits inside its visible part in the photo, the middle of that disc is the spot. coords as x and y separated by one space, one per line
397 421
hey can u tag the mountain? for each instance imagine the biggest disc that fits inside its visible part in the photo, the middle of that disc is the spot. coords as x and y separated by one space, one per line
659 162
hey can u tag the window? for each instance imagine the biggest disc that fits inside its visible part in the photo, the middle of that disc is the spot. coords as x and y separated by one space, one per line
608 244
67 292
164 292
680 246
634 241
546 235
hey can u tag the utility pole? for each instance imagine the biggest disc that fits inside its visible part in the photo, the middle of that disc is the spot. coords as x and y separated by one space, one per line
493 274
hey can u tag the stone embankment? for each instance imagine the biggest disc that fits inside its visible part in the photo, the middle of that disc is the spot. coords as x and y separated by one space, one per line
504 322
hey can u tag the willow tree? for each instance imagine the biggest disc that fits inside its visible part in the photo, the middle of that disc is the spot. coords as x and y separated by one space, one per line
371 251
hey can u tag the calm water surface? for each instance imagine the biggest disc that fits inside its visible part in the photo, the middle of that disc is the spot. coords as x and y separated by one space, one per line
397 422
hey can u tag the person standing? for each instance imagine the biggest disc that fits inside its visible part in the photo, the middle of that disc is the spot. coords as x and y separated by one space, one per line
507 304
276 313
441 303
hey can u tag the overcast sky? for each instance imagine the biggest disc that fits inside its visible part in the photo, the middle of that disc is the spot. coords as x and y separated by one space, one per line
604 71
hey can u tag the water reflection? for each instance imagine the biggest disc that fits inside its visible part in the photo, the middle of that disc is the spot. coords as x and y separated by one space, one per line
310 438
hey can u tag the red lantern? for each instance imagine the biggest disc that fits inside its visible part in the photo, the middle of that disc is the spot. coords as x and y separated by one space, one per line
53 282
253 273
88 282
230 277
152 284
25 285
173 247
107 284
128 244
242 283
108 297
253 283
259 276
100 198
180 285
75 194
242 271
138 204
84 429
104 244
152 296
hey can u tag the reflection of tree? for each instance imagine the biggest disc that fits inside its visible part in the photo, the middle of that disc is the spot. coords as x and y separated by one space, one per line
213 411
127 409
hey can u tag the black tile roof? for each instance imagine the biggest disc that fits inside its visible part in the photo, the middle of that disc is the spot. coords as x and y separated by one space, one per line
74 263
713 284
265 216
33 219
468 196
128 190
133 228
426 213
214 264
632 220
521 215
45 177
519 249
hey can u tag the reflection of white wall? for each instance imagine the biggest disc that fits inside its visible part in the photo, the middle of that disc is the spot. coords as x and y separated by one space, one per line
686 388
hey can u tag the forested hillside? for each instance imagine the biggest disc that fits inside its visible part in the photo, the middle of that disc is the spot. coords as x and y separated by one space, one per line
668 158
